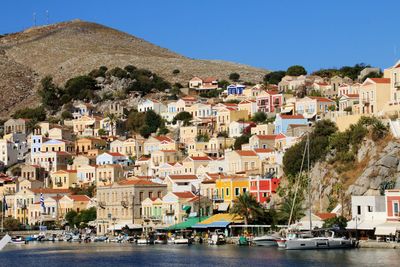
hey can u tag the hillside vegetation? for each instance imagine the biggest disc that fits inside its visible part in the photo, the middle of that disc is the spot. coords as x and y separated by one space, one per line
74 48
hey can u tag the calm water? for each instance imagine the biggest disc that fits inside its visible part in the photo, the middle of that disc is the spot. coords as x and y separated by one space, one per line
103 254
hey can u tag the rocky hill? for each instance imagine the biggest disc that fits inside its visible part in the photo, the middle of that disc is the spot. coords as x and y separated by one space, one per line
68 49
376 163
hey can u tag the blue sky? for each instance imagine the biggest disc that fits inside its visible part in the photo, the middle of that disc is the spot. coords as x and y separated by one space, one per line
269 34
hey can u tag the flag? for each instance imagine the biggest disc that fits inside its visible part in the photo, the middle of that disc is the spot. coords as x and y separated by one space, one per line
5 207
42 202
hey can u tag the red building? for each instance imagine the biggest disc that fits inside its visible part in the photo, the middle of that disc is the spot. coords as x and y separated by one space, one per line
393 204
263 188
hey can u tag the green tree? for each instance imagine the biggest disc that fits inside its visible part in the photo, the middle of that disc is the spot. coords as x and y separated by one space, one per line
223 84
130 68
118 72
247 206
234 76
81 87
183 116
296 70
289 206
379 130
102 132
66 115
202 138
145 131
153 120
135 120
50 94
70 217
11 224
36 114
335 222
274 77
259 117
243 139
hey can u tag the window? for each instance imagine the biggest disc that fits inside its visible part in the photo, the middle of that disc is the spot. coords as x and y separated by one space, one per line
244 189
150 194
141 197
395 208
227 191
237 191
358 210
370 209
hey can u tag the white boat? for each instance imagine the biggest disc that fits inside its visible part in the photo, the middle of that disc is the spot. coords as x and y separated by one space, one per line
4 241
18 241
180 241
281 242
217 238
331 242
265 240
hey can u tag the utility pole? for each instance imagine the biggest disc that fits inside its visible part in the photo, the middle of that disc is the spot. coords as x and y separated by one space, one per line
34 19
47 17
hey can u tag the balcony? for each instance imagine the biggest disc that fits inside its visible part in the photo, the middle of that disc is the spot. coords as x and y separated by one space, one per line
397 85
102 204
217 199
169 212
125 204
366 101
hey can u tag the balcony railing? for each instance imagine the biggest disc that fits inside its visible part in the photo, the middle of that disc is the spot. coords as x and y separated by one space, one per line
397 85
217 198
125 204
102 204
169 212
366 100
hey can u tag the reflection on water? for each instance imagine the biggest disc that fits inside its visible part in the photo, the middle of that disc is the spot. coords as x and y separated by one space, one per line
103 254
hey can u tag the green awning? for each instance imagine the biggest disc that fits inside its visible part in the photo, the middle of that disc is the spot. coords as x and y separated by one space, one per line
186 208
186 224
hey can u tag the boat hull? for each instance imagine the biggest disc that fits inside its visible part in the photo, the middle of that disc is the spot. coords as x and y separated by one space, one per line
303 244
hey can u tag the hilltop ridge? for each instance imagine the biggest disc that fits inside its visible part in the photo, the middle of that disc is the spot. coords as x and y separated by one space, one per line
72 48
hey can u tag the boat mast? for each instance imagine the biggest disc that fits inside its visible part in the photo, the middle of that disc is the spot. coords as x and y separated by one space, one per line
309 179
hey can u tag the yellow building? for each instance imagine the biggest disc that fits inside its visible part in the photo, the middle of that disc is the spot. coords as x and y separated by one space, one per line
54 145
228 114
109 173
63 179
229 187
374 95
84 145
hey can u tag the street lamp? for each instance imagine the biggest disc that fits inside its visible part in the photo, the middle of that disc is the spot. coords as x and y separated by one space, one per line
356 219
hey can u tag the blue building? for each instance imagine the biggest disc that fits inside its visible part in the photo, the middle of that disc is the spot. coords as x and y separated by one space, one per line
282 122
235 89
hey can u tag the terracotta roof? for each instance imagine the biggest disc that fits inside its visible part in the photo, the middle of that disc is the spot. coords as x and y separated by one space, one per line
50 191
200 158
280 136
184 194
136 182
325 216
321 99
246 153
352 95
209 79
144 177
79 197
263 150
183 177
144 158
163 138
266 137
380 80
115 154
292 117
322 84
272 92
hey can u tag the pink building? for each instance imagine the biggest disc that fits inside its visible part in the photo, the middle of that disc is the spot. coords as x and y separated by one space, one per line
269 101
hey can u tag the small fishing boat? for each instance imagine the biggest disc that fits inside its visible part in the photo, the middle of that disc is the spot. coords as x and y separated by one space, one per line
243 241
182 241
161 238
265 240
217 238
18 240
100 239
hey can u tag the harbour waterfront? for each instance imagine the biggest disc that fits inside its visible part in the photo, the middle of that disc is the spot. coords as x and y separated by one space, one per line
107 254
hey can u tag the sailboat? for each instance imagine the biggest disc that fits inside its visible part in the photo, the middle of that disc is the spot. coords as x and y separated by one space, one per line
301 241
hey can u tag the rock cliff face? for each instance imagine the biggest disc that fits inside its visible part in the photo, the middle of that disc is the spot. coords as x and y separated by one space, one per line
375 163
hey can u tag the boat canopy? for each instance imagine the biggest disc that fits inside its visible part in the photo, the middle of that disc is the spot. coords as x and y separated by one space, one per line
120 226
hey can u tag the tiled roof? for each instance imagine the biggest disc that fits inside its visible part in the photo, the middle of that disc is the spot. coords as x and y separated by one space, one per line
321 99
50 191
266 136
325 216
163 138
136 182
380 80
292 117
79 197
246 153
183 177
200 158
184 194
263 150
115 154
